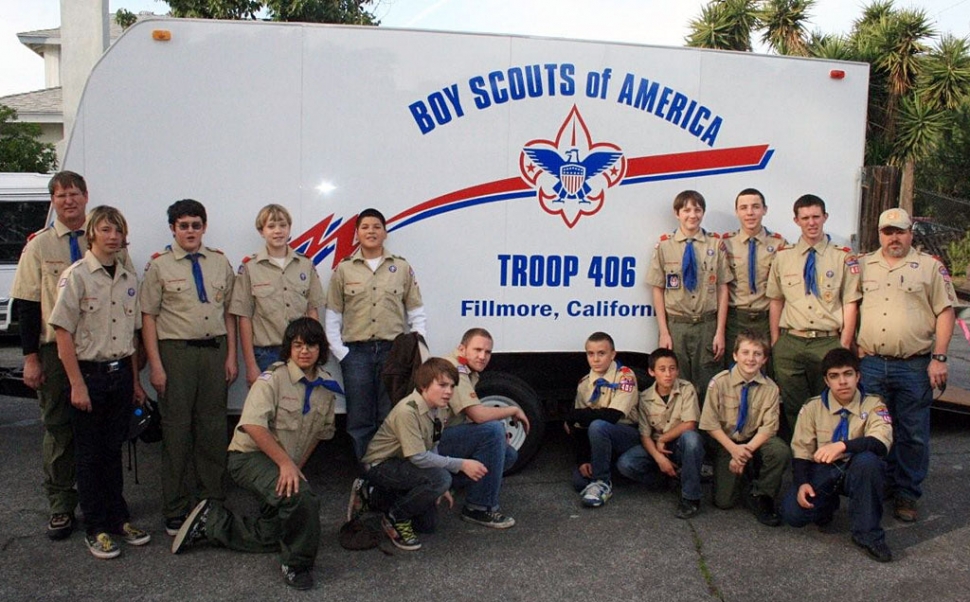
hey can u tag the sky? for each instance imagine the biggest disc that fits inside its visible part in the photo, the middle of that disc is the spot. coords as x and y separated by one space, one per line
656 22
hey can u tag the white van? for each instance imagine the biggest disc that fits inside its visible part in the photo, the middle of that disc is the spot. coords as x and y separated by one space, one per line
526 180
24 202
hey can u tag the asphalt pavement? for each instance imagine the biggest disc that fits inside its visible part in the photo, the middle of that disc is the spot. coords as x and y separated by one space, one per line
631 549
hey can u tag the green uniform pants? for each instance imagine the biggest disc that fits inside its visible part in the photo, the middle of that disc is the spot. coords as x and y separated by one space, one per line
193 424
55 413
694 347
798 371
739 320
289 525
765 471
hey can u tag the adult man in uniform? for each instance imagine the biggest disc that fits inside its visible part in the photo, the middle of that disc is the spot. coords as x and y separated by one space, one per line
814 292
190 341
477 431
903 359
45 257
750 253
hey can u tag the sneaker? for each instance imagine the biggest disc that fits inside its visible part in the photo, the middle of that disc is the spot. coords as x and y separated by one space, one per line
904 509
486 518
764 508
60 526
132 535
193 529
688 508
707 472
102 546
878 550
172 525
359 499
401 533
596 494
297 577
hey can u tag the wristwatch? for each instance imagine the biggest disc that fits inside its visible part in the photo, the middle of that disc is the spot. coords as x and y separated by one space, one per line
939 357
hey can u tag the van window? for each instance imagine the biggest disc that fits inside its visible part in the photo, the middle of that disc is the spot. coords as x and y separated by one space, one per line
18 220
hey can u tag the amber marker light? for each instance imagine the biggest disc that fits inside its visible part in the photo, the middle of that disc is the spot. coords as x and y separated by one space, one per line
161 35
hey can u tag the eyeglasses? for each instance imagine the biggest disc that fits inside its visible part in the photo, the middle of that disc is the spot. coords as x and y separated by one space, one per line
436 435
189 225
301 346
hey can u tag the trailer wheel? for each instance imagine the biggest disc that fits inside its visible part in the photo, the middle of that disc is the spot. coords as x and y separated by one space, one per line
499 389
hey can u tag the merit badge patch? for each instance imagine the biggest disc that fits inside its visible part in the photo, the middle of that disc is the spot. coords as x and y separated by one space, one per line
673 281
62 283
944 273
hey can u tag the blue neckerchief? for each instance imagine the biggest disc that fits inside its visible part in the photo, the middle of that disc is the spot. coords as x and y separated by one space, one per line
689 265
330 385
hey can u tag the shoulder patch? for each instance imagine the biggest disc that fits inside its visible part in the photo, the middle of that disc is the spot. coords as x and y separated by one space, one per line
883 413
625 369
664 237
463 369
727 235
158 254
628 384
33 235
775 235
944 273
845 249
266 375
248 258
62 283
714 234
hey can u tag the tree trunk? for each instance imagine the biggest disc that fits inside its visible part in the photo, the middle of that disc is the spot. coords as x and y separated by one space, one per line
907 186
880 191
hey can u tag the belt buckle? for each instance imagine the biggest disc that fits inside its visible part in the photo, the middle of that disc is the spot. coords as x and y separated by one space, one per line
811 334
112 366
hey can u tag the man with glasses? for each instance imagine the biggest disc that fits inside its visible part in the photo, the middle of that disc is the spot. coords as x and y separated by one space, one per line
403 465
190 341
904 358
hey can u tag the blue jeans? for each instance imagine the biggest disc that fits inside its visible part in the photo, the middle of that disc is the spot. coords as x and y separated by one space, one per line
606 440
367 401
688 453
485 442
266 356
905 386
861 480
405 492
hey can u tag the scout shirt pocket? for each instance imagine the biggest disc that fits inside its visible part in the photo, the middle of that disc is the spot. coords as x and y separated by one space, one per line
91 320
289 413
658 420
915 294
870 294
51 272
217 290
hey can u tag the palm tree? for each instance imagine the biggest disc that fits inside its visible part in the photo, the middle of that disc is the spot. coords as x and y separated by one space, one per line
783 22
725 25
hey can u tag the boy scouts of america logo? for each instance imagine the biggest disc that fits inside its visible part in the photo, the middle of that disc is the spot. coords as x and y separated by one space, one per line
571 173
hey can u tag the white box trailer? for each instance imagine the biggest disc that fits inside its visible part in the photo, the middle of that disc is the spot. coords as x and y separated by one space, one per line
526 180
24 204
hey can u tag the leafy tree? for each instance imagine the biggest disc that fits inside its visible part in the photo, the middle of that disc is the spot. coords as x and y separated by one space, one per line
311 11
725 25
125 18
20 150
783 22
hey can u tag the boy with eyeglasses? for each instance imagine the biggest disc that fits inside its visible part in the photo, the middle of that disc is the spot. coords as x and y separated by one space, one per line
407 473
190 341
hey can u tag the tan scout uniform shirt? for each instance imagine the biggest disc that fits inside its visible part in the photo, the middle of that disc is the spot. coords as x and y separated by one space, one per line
272 296
374 304
657 417
623 398
101 312
275 402
838 284
900 304
464 395
407 431
737 257
723 403
868 418
168 292
712 269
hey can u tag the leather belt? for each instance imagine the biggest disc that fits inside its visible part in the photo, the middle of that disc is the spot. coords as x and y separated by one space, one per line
708 317
812 334
102 367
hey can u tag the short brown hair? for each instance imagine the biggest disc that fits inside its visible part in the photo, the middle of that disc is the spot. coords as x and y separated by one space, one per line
67 179
752 337
432 370
600 337
688 196
471 333
750 192
272 212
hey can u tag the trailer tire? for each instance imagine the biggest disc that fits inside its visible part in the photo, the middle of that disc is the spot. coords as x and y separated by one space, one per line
500 389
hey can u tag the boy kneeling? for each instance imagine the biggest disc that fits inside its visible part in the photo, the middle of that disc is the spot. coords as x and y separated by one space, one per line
839 443
742 413
289 409
668 413
406 472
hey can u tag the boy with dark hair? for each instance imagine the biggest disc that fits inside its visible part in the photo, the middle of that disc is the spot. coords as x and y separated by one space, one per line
603 421
689 276
841 439
668 413
742 415
403 465
190 341
288 411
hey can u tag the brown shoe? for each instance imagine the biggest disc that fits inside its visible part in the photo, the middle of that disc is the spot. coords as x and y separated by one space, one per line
904 509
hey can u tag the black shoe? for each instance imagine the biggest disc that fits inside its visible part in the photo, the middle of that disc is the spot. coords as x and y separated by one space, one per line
688 508
297 577
878 550
904 509
60 526
172 525
493 520
764 509
193 529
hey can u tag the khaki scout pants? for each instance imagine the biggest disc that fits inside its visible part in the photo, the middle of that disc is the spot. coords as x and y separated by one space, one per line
289 525
798 371
693 345
58 446
193 424
765 471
